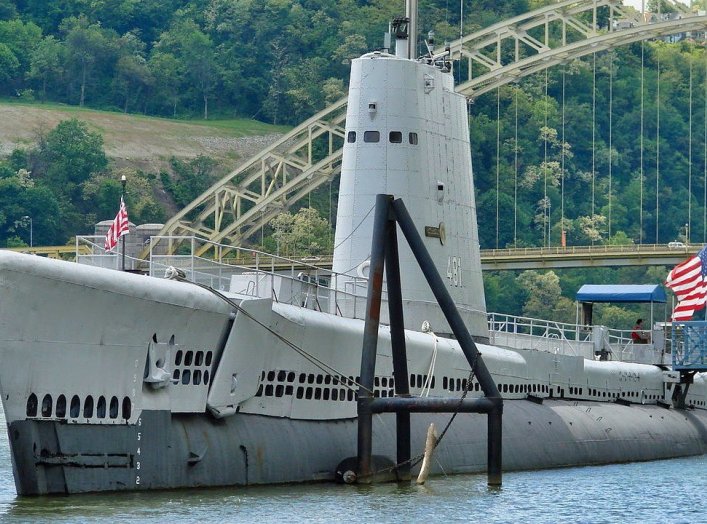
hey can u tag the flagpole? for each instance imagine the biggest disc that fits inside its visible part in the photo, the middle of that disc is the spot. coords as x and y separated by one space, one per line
123 181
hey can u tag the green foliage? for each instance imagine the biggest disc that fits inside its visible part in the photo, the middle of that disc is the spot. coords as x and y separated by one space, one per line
189 178
302 234
72 153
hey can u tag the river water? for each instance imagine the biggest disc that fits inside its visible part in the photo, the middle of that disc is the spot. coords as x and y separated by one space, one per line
661 491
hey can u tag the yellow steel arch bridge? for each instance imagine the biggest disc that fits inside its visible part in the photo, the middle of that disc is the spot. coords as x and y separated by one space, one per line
243 201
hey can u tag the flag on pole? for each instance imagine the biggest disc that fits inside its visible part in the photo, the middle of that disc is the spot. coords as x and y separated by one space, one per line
119 227
688 282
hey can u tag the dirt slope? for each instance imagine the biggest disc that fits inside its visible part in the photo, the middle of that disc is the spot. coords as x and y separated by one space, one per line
147 143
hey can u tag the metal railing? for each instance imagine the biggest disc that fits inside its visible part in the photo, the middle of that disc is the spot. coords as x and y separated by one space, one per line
592 342
259 274
543 335
303 282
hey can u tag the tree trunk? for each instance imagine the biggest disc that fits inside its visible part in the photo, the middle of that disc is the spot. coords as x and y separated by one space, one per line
44 89
174 109
83 83
206 107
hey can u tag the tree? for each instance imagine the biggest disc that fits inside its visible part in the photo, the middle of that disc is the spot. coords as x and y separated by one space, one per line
8 63
86 43
196 52
544 296
132 73
19 40
302 234
45 62
167 73
190 178
71 153
102 191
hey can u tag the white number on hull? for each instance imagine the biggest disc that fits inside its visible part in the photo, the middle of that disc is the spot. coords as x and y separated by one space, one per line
454 271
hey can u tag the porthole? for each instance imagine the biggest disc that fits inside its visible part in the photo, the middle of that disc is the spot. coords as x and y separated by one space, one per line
300 392
47 406
325 393
281 376
412 138
32 405
342 394
61 406
101 407
269 390
395 137
178 358
351 137
291 376
271 376
259 393
199 358
88 407
186 377
206 376
350 395
279 391
327 379
444 383
209 356
197 377
75 407
113 410
335 394
308 394
175 375
371 136
289 390
188 358
310 378
320 379
317 393
127 408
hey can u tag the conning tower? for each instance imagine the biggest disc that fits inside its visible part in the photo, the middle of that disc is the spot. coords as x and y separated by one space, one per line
407 135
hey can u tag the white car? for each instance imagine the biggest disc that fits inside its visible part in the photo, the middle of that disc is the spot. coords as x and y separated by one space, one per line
676 244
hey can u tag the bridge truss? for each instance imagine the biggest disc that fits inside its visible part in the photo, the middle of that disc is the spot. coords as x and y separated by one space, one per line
242 202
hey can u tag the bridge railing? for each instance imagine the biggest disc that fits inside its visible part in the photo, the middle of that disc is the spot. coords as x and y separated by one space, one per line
592 250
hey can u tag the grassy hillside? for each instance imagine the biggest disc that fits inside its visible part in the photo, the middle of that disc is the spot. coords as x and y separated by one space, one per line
139 141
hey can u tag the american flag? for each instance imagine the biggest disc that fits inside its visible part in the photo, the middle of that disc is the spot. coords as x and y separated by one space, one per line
119 227
688 280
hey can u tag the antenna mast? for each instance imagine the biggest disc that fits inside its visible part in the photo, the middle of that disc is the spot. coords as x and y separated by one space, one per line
411 14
